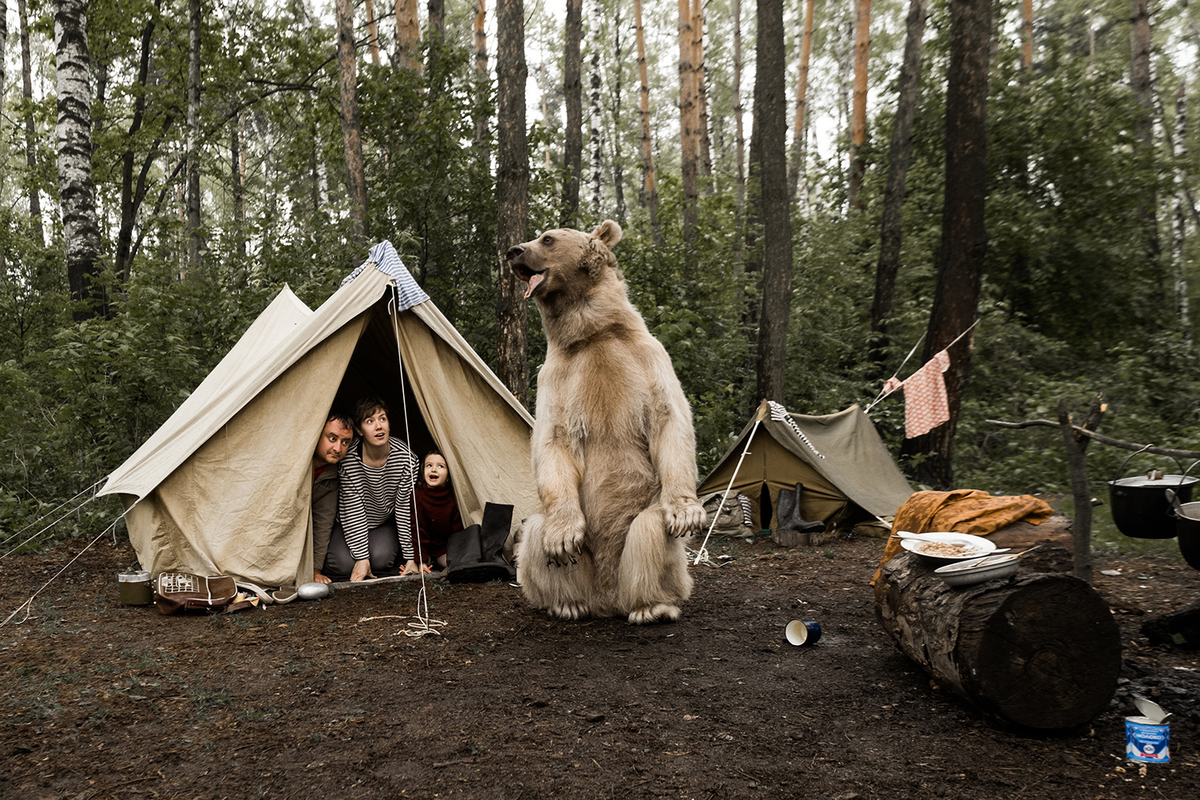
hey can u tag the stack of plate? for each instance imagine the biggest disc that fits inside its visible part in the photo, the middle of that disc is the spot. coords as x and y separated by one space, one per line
946 547
978 570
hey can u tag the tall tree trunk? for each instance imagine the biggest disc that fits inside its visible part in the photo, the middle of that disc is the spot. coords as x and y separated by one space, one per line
372 32
237 177
1027 34
35 202
194 221
481 85
408 35
573 103
739 134
512 186
3 54
700 79
597 138
770 97
1179 219
76 187
858 119
688 135
356 179
964 237
1144 130
799 136
436 22
649 181
618 163
891 231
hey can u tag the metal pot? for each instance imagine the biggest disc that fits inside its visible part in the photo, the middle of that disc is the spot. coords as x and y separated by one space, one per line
1139 504
1187 528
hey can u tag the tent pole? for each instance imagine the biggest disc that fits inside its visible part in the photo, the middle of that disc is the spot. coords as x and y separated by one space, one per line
702 553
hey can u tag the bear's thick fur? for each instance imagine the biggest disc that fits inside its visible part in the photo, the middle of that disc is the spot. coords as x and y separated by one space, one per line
614 452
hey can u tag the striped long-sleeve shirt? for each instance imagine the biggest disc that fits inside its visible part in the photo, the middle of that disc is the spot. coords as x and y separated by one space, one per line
369 496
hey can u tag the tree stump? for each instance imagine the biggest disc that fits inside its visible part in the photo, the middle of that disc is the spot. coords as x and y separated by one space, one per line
1039 651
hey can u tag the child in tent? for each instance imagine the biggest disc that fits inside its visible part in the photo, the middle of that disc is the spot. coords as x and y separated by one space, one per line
437 511
373 534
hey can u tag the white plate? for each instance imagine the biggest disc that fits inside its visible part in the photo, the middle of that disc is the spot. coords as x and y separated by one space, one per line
978 544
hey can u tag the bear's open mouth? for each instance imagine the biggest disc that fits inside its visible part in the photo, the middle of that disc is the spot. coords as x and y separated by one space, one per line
532 277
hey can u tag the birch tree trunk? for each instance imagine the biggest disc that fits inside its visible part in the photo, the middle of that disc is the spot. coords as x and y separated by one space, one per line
739 134
573 104
858 119
3 55
964 237
688 135
194 221
1144 128
356 180
618 162
891 232
512 185
408 35
1179 220
771 101
35 202
701 81
799 135
74 138
237 177
597 138
649 182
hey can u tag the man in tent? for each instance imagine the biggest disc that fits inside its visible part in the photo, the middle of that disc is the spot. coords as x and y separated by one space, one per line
331 448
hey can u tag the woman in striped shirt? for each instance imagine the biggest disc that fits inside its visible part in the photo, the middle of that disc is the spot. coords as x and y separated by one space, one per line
374 531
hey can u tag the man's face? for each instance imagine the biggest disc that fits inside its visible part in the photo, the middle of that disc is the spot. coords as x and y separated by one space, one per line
335 442
375 429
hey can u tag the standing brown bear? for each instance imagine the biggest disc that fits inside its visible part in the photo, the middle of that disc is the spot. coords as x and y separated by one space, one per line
614 453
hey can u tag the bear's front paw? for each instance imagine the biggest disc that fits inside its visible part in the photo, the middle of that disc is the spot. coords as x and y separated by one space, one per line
563 537
685 516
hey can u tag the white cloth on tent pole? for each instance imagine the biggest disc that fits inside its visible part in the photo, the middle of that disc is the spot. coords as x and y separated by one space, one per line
780 414
702 553
384 258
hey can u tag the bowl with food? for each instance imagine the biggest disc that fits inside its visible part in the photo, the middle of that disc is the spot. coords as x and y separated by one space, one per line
946 547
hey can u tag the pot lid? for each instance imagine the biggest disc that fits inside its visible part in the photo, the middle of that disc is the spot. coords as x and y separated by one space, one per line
1165 482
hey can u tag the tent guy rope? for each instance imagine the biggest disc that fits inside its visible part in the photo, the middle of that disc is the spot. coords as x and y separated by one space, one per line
702 553
53 511
28 604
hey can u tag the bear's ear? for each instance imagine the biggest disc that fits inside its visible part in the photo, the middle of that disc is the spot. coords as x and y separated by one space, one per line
609 233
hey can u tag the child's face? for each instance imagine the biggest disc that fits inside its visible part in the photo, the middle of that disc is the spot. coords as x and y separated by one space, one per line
436 471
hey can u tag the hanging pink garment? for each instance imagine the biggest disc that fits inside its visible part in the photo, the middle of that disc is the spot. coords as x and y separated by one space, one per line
925 403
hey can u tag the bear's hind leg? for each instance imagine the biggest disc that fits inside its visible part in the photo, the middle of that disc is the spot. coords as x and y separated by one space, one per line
652 579
562 592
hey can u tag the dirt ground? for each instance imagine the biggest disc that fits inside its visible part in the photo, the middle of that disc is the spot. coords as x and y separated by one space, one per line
331 699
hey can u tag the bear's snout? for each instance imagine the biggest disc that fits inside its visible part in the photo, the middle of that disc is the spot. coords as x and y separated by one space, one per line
515 252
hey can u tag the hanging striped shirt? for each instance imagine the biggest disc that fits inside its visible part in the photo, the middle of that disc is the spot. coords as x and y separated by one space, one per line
369 496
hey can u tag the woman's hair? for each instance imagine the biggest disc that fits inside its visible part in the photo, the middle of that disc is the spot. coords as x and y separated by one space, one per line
366 407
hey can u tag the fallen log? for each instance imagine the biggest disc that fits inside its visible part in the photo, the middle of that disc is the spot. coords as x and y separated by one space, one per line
1180 628
1036 650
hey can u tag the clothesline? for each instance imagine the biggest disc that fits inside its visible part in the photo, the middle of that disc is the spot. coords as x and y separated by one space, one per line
889 387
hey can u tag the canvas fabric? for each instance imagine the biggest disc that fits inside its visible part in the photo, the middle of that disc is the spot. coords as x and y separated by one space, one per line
839 458
224 486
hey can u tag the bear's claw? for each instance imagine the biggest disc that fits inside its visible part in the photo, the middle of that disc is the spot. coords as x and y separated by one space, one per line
684 516
662 612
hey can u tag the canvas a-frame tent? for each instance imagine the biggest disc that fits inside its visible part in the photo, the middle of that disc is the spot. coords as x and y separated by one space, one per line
847 473
224 486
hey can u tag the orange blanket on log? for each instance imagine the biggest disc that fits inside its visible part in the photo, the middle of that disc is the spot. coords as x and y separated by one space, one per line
962 511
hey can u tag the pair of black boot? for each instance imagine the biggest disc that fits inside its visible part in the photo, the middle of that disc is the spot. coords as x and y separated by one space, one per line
789 513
